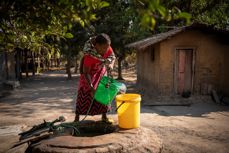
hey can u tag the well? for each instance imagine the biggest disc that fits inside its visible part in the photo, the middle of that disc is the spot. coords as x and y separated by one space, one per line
120 140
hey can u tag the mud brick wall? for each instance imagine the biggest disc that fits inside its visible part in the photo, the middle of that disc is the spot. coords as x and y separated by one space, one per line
210 64
11 66
225 73
148 68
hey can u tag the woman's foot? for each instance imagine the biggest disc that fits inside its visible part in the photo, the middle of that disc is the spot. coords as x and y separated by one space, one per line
107 120
77 118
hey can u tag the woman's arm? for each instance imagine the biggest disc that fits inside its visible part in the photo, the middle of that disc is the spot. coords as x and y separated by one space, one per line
111 58
88 77
86 73
111 65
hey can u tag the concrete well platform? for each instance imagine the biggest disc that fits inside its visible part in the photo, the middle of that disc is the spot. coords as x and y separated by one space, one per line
133 140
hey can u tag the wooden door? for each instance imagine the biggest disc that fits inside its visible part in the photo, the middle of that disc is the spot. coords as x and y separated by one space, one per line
184 70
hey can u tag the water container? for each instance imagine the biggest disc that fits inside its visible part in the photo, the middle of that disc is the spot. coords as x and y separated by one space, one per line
107 90
128 108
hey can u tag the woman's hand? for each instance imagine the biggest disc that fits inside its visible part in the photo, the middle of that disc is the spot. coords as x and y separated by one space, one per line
110 63
110 66
88 78
92 90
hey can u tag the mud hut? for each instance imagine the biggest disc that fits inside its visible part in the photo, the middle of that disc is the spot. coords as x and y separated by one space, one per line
187 60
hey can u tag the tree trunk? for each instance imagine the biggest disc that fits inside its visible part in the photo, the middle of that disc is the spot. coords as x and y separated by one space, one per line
26 63
43 62
58 62
47 63
68 67
120 68
55 63
38 62
6 66
189 6
33 61
18 55
76 65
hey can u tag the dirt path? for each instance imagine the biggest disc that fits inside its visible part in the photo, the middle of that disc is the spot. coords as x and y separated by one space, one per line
200 128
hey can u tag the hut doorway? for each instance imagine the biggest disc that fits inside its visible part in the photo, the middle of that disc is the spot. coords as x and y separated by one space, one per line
184 71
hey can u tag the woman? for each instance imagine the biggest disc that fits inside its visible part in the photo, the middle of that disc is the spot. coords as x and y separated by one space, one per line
96 53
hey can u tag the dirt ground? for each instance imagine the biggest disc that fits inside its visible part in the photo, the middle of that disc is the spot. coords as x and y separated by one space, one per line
202 127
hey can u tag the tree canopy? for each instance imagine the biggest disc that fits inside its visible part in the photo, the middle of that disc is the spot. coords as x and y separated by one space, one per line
209 12
64 25
25 23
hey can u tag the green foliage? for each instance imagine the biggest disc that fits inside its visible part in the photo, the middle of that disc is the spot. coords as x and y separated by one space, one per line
68 35
115 21
210 12
71 46
129 20
63 25
154 10
25 23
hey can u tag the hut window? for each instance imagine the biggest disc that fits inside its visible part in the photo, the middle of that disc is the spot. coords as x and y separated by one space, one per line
152 54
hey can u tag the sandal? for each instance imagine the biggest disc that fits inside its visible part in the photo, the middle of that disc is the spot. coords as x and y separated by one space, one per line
108 120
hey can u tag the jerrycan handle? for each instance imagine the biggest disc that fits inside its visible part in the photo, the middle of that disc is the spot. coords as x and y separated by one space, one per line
119 106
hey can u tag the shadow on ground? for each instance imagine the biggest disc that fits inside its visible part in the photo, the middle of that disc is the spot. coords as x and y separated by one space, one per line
201 109
52 91
49 91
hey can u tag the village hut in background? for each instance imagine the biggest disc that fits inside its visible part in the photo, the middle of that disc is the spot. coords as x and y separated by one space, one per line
190 60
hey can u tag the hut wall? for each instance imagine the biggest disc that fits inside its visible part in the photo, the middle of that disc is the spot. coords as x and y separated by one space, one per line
166 68
148 68
225 73
7 69
2 70
7 66
11 66
209 65
208 61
